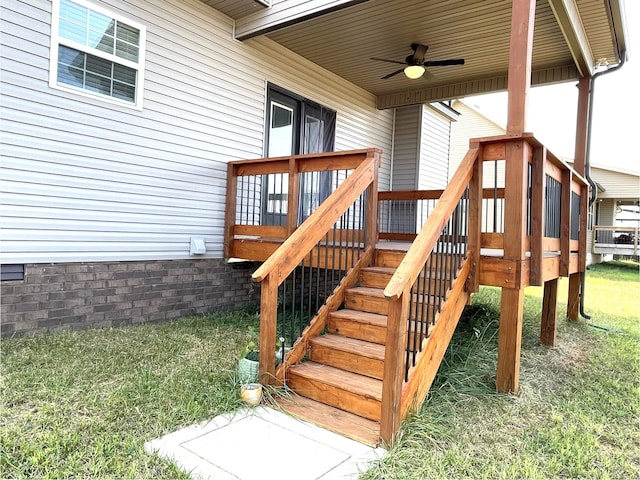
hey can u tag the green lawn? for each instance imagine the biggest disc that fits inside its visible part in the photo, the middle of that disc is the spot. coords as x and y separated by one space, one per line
82 404
577 414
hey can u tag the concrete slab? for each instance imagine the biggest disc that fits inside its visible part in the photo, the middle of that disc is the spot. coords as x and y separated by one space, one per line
263 443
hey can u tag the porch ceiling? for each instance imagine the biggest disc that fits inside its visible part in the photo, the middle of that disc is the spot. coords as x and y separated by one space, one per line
571 38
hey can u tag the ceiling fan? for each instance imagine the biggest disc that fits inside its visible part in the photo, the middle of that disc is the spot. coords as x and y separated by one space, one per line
414 64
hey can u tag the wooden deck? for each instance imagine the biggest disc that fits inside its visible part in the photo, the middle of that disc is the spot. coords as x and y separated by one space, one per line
368 313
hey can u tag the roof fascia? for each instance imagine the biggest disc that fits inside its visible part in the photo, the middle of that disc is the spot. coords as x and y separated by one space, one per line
566 13
284 13
619 24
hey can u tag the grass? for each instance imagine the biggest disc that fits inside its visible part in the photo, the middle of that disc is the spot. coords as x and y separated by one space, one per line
577 413
82 404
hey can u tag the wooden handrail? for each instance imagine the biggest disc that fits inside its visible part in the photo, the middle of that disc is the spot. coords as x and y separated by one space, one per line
313 229
414 260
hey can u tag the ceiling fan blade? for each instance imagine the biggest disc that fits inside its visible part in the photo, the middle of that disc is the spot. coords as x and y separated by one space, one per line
390 61
419 51
428 76
444 63
392 74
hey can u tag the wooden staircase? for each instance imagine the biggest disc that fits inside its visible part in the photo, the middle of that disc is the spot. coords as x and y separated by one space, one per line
340 385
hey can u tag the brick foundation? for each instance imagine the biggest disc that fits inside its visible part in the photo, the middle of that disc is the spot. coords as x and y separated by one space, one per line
56 296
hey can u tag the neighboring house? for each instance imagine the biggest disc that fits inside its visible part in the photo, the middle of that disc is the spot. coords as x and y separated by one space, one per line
615 220
471 124
618 194
114 161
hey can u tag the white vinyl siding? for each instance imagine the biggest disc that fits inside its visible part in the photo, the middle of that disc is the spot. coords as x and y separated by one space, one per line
434 158
471 124
406 148
87 181
617 184
421 149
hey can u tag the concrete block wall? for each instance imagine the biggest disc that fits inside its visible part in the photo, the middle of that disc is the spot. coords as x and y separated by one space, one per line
57 296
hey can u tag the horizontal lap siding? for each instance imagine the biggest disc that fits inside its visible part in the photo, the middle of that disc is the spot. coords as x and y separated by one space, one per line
406 148
86 180
434 158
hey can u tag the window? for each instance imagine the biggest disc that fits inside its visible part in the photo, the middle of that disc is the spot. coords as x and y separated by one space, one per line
97 53
296 125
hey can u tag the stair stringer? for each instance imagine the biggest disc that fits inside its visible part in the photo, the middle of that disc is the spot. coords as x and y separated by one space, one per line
319 322
428 360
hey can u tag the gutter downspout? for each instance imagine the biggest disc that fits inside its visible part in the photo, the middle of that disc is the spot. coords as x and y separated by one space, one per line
587 166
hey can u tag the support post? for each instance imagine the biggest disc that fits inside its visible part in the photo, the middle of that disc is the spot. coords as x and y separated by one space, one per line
573 301
510 340
582 134
371 215
549 313
537 215
523 14
516 182
268 317
475 222
394 358
230 208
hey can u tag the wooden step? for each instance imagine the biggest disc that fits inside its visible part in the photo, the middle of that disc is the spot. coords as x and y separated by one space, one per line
389 258
351 354
379 277
370 327
347 391
372 300
376 277
344 423
366 299
392 258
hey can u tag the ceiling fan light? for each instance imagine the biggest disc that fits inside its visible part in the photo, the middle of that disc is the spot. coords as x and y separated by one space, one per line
414 71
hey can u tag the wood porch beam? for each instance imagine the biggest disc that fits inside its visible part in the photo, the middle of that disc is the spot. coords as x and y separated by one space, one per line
546 76
566 13
284 13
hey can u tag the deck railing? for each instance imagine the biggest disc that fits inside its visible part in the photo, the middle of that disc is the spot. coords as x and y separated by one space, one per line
338 235
406 309
616 240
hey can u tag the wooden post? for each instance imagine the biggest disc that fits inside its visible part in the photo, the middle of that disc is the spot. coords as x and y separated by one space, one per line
520 53
372 207
573 302
512 301
230 208
516 183
537 215
565 223
549 313
475 222
510 340
582 134
268 317
394 358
